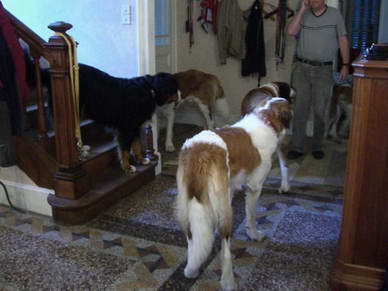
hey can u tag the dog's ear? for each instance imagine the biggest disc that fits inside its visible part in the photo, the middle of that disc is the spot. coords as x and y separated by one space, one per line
165 87
284 112
285 118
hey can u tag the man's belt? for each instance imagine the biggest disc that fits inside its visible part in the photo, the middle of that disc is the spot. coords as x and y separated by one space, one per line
314 63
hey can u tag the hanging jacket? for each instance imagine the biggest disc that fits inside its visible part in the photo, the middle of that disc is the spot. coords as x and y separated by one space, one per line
9 87
9 123
16 51
254 61
230 30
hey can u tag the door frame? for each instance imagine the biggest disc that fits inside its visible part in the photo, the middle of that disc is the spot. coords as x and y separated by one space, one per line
147 55
146 36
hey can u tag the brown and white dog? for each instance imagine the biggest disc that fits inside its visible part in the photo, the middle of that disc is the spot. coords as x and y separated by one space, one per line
203 89
340 112
259 96
262 94
212 164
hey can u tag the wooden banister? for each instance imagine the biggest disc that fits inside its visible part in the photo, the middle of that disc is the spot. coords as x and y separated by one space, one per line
35 42
41 120
71 180
82 188
64 123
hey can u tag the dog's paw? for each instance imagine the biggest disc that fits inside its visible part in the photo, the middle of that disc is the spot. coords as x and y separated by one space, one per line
284 188
129 169
170 148
228 285
254 234
190 273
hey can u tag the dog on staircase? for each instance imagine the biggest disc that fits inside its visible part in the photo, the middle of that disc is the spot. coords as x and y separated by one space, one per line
124 104
203 89
120 103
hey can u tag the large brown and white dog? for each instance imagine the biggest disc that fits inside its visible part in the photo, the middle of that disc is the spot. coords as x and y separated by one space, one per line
212 164
203 89
258 97
340 112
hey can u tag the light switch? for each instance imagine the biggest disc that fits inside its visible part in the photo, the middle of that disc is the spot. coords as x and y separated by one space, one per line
126 14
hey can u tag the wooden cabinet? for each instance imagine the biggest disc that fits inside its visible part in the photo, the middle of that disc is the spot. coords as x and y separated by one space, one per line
362 255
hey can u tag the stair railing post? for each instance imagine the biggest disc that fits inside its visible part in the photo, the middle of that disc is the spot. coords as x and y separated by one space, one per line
71 180
41 118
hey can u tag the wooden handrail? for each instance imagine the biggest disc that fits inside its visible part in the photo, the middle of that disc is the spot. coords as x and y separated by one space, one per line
56 52
37 49
35 42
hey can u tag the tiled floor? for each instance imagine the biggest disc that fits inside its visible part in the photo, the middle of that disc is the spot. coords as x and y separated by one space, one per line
137 245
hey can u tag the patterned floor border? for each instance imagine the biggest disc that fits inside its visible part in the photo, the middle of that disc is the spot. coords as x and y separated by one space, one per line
159 263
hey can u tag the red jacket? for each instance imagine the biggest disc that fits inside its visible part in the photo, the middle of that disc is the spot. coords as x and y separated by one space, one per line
16 52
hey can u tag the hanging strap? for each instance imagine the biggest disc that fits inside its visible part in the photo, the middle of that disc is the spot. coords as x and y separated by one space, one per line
74 80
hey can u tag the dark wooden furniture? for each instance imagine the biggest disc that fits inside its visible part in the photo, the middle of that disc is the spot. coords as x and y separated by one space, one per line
362 255
82 188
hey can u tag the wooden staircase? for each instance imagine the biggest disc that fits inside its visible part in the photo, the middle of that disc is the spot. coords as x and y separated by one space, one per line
82 188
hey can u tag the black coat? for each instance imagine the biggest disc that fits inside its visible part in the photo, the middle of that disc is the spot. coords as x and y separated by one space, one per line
254 62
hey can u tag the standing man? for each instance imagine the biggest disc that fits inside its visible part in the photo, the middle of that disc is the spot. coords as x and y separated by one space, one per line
319 30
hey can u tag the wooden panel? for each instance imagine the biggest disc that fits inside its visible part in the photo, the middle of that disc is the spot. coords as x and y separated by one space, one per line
362 256
372 226
112 186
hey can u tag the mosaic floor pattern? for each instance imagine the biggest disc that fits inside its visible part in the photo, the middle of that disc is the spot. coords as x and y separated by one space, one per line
137 245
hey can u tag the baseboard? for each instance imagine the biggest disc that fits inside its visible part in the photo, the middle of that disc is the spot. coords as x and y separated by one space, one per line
350 277
23 193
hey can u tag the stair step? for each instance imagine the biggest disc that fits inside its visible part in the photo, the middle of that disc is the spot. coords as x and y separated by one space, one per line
111 186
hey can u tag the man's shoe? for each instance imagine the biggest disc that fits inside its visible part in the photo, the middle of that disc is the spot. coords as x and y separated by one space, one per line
292 155
318 155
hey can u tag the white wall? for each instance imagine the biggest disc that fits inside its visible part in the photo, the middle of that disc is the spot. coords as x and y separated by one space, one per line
104 42
203 56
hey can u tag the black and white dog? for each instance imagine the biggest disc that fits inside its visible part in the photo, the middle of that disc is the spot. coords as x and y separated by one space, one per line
123 104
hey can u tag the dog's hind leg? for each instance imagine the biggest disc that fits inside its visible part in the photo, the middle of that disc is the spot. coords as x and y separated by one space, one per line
124 146
220 196
137 150
206 114
227 277
344 127
170 113
125 157
285 182
225 229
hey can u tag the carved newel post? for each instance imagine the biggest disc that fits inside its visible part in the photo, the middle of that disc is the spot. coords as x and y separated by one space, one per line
70 181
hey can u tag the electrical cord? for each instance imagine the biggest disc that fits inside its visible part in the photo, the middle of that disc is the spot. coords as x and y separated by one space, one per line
8 199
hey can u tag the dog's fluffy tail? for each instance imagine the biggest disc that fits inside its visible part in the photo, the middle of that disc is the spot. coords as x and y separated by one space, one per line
222 108
200 213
